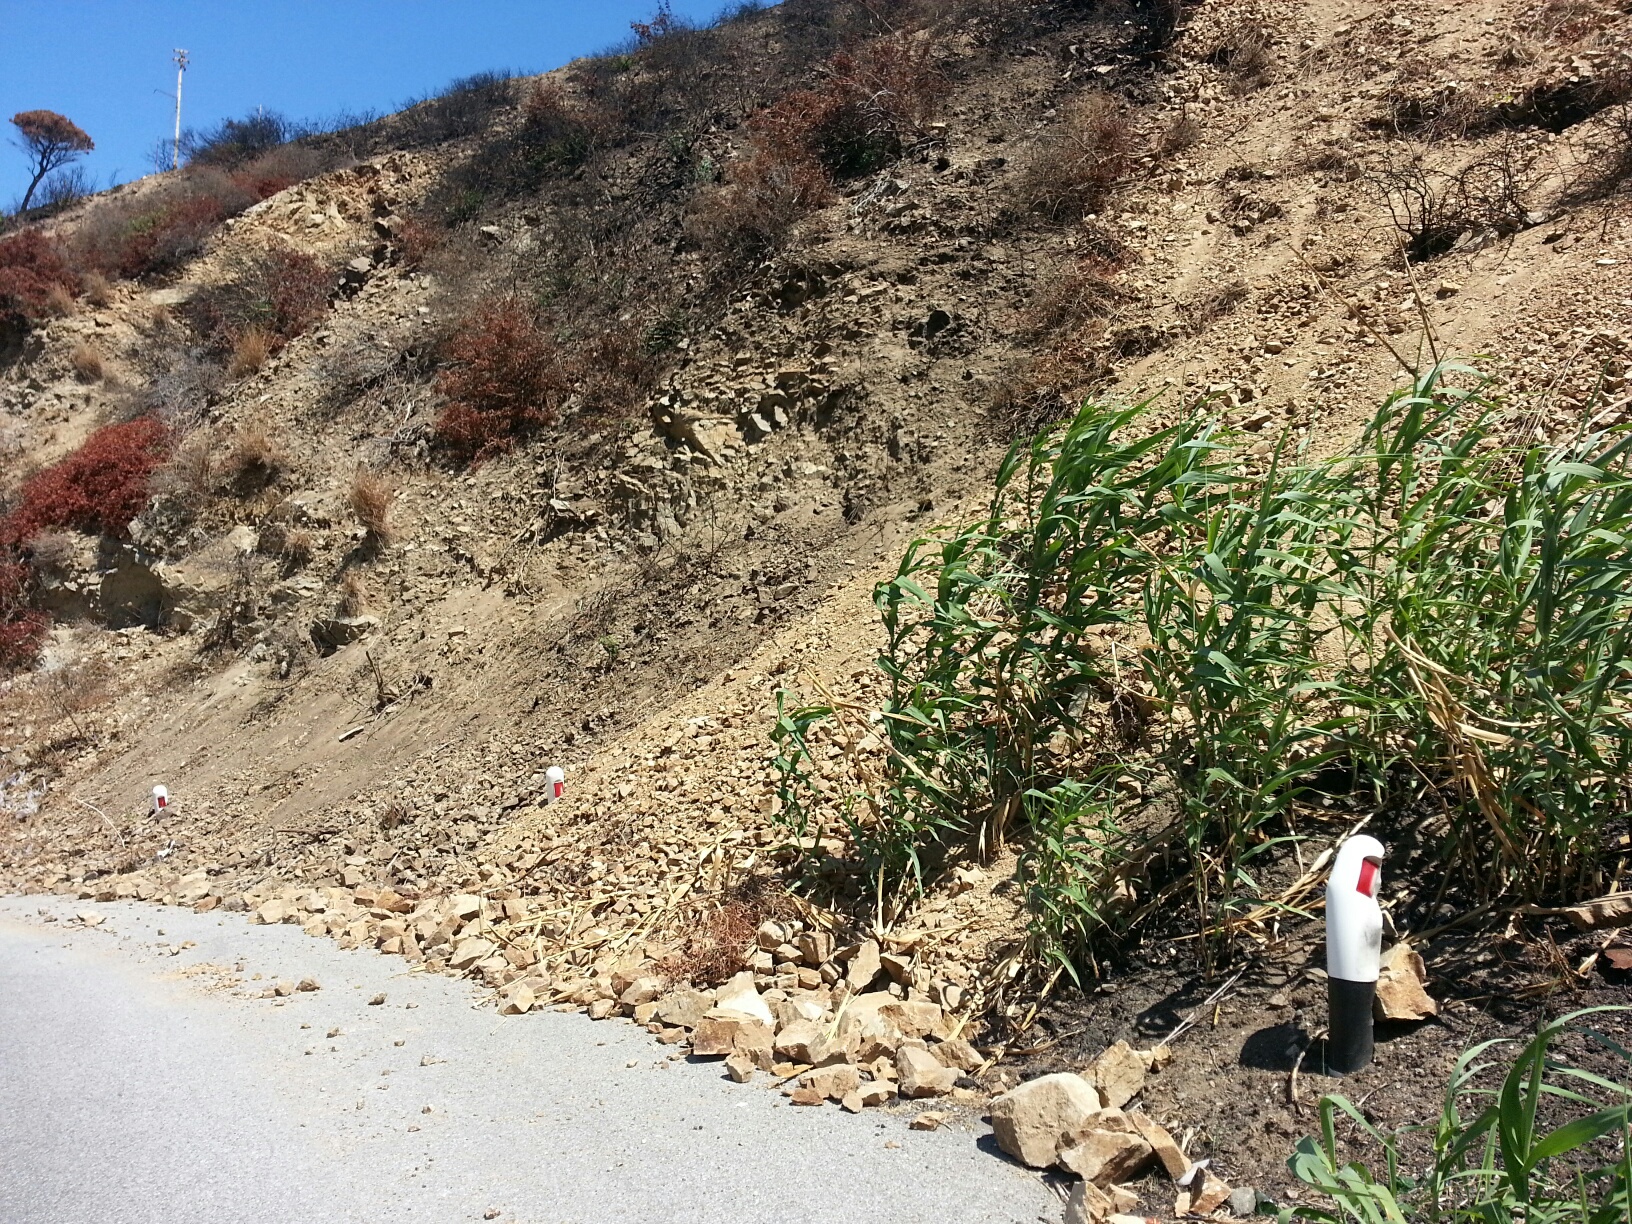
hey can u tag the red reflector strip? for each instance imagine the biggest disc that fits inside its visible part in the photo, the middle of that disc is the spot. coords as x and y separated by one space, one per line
1368 878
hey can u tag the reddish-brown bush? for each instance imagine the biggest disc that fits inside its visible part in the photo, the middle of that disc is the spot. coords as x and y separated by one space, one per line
31 266
155 230
870 105
505 379
273 293
416 240
22 628
133 239
611 371
764 195
100 487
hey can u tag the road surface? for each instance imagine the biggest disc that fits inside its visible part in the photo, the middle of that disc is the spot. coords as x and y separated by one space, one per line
139 1084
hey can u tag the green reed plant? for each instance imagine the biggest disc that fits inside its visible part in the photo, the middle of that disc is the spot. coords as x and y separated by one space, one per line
1492 1157
1432 618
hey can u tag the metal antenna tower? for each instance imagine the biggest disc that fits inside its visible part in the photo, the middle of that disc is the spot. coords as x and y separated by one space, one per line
175 148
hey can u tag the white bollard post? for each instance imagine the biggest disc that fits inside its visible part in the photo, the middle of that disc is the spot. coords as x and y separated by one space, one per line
1354 944
161 800
555 783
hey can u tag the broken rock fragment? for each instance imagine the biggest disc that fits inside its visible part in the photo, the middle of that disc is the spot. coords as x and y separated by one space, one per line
1203 1196
1088 1204
742 996
517 998
864 966
835 1083
684 1008
1032 1120
1105 1156
958 1053
1401 987
1174 1162
1119 1074
803 1041
920 1074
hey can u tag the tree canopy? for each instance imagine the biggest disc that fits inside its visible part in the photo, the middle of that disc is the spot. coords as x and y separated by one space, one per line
51 141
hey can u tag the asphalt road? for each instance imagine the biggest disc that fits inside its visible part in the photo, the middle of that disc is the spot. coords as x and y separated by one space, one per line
138 1085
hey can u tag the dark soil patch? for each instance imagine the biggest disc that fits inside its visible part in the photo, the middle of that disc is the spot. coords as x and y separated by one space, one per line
1227 1093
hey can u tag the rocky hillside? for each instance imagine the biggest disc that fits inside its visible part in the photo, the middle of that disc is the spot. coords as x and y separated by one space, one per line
571 422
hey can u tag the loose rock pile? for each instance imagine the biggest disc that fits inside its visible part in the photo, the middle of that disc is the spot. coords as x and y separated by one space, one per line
1078 1123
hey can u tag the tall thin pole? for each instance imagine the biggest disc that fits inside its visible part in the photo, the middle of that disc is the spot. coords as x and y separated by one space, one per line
175 148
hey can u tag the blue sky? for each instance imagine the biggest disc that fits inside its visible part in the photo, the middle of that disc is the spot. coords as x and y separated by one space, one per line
106 64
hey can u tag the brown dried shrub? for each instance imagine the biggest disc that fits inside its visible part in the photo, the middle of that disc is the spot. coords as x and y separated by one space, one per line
86 363
1212 304
870 105
1082 291
1079 163
750 217
1329 159
59 302
1244 50
505 379
417 240
272 292
190 475
250 351
1181 133
713 952
253 459
1047 386
354 598
298 546
97 291
370 499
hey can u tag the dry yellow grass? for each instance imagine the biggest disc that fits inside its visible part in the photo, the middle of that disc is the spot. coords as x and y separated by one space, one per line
354 596
371 499
87 363
254 458
97 290
59 302
249 352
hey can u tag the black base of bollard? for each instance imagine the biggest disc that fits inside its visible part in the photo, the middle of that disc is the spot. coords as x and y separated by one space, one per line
1348 1038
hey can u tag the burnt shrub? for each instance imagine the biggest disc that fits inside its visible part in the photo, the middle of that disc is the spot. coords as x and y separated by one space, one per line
156 230
1437 211
557 134
611 371
1083 291
867 106
464 108
274 292
763 197
31 267
99 488
179 392
232 142
505 379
